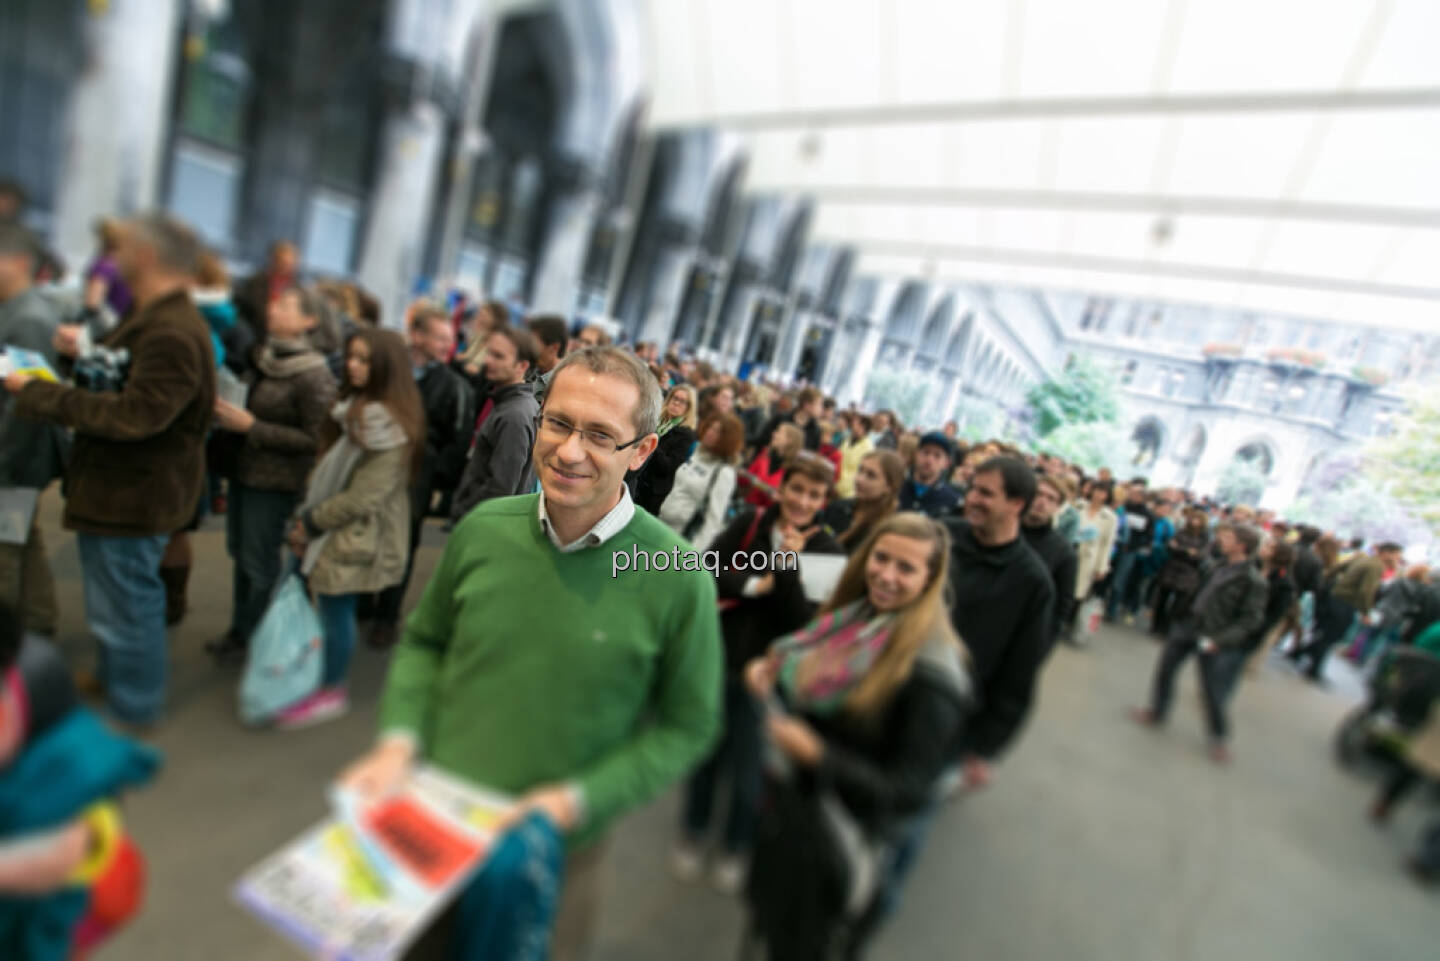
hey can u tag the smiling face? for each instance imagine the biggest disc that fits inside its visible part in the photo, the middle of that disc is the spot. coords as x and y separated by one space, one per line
986 507
897 571
801 498
573 475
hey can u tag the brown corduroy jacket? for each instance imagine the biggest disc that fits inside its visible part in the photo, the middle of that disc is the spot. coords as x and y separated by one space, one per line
138 463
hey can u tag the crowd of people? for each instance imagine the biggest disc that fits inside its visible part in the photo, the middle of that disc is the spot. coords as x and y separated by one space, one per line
834 722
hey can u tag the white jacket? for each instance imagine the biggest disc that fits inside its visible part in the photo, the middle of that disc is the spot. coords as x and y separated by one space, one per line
691 480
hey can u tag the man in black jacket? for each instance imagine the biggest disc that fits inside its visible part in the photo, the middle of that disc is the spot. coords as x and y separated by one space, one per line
449 412
499 464
1001 599
1052 491
1001 602
1223 618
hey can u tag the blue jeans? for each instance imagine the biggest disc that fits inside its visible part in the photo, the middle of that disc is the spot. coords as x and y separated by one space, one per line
1125 587
125 611
337 624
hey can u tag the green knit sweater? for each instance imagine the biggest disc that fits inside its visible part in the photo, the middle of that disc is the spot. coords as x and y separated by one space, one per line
524 666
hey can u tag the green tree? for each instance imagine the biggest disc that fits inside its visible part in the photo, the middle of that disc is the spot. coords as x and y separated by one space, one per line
1084 393
1092 445
1406 465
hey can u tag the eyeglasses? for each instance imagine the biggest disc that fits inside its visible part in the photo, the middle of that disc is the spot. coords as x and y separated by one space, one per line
595 441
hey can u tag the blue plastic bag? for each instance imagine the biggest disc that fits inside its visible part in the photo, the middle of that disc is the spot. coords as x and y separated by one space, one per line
286 652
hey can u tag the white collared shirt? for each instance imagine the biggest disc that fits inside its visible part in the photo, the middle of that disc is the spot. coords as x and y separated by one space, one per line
604 529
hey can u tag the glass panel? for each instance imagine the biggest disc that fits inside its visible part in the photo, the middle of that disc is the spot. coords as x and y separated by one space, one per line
330 229
203 188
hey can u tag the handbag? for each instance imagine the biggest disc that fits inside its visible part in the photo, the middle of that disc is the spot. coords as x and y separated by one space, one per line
697 518
283 664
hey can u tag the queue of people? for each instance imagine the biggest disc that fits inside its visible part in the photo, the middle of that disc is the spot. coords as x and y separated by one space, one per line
888 649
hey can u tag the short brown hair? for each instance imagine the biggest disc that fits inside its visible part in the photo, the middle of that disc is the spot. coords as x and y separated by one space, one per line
523 341
811 466
732 435
621 364
424 312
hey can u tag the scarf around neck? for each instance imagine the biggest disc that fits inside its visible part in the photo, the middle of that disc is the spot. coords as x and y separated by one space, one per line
286 358
378 430
820 664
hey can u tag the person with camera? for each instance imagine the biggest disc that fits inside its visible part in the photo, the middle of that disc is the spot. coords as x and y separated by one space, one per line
140 408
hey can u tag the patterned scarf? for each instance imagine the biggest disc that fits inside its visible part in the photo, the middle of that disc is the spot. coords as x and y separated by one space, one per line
819 664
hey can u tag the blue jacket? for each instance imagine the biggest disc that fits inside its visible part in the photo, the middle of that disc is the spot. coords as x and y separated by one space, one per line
55 778
938 500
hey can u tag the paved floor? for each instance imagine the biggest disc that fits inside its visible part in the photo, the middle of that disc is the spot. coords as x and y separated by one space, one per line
1099 840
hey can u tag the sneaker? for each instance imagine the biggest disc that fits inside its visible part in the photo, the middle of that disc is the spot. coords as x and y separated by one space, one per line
728 874
322 706
686 862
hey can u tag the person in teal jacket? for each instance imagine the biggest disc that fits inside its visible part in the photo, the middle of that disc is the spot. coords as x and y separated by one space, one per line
557 654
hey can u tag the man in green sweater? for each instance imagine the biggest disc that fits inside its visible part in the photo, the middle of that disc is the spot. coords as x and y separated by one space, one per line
530 668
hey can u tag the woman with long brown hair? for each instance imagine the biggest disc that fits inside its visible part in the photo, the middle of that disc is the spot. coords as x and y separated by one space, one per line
863 706
353 529
876 485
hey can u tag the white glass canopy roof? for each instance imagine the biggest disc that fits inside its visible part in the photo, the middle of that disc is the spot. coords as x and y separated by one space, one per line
1275 155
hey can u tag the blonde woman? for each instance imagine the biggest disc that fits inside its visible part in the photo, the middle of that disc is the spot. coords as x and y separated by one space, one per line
862 707
857 445
677 439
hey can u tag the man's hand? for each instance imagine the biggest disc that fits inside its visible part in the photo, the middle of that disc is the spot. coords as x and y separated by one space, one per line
232 418
796 738
978 772
557 802
382 770
16 382
67 339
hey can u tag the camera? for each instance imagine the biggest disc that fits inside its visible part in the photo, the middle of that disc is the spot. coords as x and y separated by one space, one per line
103 370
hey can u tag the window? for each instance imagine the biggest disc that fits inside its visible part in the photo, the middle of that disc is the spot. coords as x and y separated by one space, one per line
330 228
203 187
1127 376
473 265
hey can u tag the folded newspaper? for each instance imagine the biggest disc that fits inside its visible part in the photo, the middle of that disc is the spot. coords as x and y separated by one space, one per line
18 360
364 884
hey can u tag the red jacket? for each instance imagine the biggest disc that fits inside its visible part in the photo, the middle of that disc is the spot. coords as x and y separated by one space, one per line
769 468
